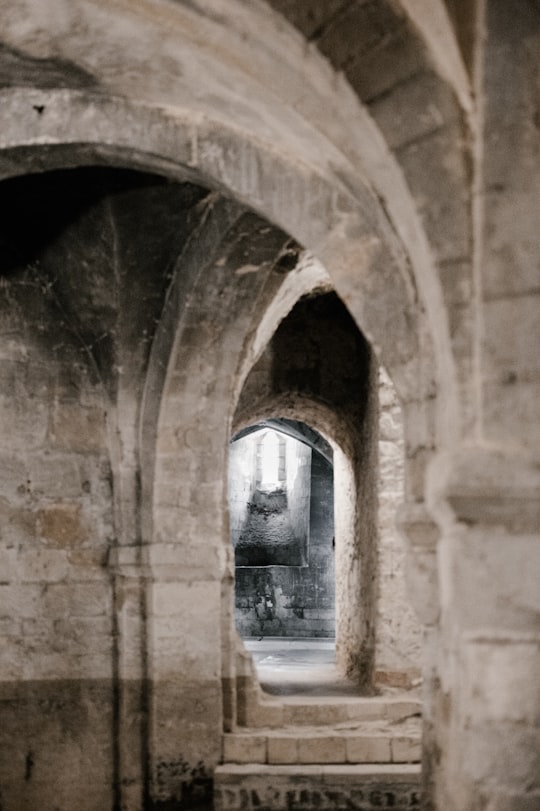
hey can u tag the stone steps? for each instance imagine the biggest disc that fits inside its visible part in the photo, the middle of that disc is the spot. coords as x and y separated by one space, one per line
351 742
320 711
259 709
256 787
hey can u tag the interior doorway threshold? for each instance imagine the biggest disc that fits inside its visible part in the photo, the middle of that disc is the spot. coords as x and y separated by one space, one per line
288 666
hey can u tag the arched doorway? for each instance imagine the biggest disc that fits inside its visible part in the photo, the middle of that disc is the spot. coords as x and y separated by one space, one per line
281 504
317 361
318 366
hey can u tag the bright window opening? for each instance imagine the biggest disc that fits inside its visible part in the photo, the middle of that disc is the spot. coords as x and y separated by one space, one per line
269 451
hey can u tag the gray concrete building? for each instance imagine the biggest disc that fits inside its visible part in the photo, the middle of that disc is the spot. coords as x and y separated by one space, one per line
270 375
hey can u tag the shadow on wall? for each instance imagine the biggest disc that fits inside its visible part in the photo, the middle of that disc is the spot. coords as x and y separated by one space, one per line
282 530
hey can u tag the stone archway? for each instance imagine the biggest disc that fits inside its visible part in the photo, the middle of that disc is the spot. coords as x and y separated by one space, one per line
295 178
160 561
318 368
368 470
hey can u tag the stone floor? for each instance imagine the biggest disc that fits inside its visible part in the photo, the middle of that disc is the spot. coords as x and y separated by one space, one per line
300 666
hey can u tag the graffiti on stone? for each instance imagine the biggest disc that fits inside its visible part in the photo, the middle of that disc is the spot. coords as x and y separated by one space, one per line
369 798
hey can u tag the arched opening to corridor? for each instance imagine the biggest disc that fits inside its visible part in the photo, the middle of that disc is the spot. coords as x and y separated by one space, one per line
339 572
281 505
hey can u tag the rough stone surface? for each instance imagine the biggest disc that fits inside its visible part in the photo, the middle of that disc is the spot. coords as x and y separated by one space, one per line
328 787
213 213
399 636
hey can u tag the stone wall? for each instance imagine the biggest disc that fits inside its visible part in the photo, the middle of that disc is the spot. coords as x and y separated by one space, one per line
271 526
368 789
80 293
56 596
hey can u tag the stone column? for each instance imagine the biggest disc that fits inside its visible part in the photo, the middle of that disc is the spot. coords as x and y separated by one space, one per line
421 535
184 655
399 632
130 676
488 506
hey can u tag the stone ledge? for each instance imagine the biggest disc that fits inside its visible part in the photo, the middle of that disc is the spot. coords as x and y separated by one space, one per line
268 711
254 787
322 746
407 773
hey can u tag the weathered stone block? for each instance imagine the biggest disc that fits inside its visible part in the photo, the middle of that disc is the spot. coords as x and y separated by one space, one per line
316 714
56 476
484 556
42 565
282 749
307 18
77 599
371 23
168 600
375 72
24 421
414 109
186 735
406 750
512 410
321 749
457 280
258 712
59 736
17 600
445 217
249 748
62 525
76 428
498 687
368 749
